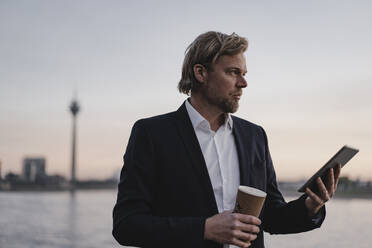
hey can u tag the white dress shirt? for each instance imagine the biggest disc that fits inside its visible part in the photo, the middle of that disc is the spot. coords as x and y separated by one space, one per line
221 158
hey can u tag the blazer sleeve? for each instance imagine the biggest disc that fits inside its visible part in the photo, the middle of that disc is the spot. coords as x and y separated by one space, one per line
280 217
134 223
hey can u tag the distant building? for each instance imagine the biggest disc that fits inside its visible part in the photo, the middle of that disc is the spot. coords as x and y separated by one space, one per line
33 169
12 177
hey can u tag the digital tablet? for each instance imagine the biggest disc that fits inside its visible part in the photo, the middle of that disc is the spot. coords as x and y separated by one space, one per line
341 157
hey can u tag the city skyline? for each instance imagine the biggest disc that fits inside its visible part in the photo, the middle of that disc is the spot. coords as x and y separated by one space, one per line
309 77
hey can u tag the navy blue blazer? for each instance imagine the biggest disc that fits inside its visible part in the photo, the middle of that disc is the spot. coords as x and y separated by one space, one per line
165 193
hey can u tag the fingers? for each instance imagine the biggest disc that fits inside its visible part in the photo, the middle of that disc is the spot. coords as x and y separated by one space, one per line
314 197
337 175
316 201
248 219
242 239
244 236
240 243
324 195
331 182
245 229
232 228
250 228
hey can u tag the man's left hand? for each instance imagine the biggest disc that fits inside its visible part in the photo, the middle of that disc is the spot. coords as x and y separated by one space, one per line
314 202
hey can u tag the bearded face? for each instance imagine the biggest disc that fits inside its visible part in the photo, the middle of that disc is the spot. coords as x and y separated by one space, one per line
222 88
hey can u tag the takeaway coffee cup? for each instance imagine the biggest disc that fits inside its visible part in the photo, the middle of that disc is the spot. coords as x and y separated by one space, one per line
249 200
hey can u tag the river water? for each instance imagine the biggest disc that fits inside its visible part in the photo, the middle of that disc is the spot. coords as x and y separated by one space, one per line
83 219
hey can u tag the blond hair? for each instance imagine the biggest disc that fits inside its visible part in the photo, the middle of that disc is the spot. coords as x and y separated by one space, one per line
205 50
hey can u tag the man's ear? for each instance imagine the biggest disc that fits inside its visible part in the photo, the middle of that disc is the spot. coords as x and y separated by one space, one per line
200 73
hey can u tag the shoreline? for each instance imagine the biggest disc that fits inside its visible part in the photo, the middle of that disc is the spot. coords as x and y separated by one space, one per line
337 195
286 193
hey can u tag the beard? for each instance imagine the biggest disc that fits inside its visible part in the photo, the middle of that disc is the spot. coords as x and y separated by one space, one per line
229 106
226 104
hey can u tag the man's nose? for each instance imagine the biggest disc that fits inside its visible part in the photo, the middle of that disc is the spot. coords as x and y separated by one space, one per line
242 83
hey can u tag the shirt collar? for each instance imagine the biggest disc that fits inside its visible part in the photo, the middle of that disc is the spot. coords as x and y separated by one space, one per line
197 119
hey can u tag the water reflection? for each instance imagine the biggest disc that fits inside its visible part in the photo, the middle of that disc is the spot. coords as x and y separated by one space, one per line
72 218
56 219
83 219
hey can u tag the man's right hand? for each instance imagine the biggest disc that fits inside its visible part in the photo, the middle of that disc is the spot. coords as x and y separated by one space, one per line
232 228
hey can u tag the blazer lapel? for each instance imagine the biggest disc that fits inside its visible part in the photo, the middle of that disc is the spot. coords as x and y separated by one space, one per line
242 148
193 149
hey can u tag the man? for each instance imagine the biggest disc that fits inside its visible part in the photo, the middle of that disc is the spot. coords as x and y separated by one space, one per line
182 170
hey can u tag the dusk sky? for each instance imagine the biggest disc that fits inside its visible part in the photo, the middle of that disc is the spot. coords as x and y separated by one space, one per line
309 77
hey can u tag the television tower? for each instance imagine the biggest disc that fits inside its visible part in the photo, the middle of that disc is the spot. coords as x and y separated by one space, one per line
74 108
